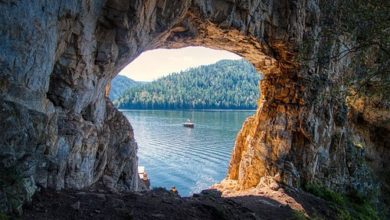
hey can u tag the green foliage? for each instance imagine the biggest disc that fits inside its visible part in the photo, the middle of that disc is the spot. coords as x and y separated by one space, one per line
298 215
350 206
4 216
325 193
344 214
228 84
367 22
120 84
358 29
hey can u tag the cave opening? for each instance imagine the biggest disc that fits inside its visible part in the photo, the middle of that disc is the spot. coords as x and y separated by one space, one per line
59 130
159 90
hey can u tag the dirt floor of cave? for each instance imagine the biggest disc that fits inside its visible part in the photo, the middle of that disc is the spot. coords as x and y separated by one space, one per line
163 204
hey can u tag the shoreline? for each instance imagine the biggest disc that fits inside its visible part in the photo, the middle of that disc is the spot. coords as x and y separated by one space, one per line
191 110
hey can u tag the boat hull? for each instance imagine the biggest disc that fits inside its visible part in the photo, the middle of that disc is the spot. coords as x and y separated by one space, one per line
189 125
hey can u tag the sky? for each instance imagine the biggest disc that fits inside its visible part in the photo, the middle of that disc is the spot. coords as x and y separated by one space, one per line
153 64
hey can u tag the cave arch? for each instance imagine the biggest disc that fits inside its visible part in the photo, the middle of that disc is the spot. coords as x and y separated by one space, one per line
60 131
274 58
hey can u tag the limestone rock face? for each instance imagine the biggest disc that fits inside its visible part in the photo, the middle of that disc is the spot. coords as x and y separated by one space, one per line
56 58
370 119
60 131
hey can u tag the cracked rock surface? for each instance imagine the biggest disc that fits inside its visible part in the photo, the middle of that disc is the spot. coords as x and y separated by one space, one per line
59 131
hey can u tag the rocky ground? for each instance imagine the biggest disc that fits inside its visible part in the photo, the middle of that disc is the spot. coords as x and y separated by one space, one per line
267 203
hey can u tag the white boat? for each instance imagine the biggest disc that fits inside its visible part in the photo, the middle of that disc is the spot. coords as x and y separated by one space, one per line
189 124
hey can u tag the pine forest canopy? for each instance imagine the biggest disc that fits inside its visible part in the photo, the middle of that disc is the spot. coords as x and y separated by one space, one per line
227 84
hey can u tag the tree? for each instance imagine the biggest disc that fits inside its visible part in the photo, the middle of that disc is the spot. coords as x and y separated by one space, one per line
226 84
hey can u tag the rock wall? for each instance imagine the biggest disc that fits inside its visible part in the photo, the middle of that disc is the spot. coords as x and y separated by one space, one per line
300 132
370 121
59 130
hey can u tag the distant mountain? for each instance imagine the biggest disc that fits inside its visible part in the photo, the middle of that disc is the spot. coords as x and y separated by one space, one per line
227 84
120 84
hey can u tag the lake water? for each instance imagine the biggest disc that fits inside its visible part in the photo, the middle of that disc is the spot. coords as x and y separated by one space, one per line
189 159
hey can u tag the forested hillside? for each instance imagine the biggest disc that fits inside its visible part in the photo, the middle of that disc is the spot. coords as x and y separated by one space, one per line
119 85
227 84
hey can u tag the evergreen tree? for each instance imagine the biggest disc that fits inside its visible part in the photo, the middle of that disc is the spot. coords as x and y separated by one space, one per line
228 84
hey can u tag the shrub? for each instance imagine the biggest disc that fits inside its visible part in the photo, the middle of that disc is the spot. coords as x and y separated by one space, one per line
349 206
4 216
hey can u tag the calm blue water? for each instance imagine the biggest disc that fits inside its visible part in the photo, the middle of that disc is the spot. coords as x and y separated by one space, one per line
190 159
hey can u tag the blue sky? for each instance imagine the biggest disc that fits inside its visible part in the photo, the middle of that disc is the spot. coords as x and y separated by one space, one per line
154 64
